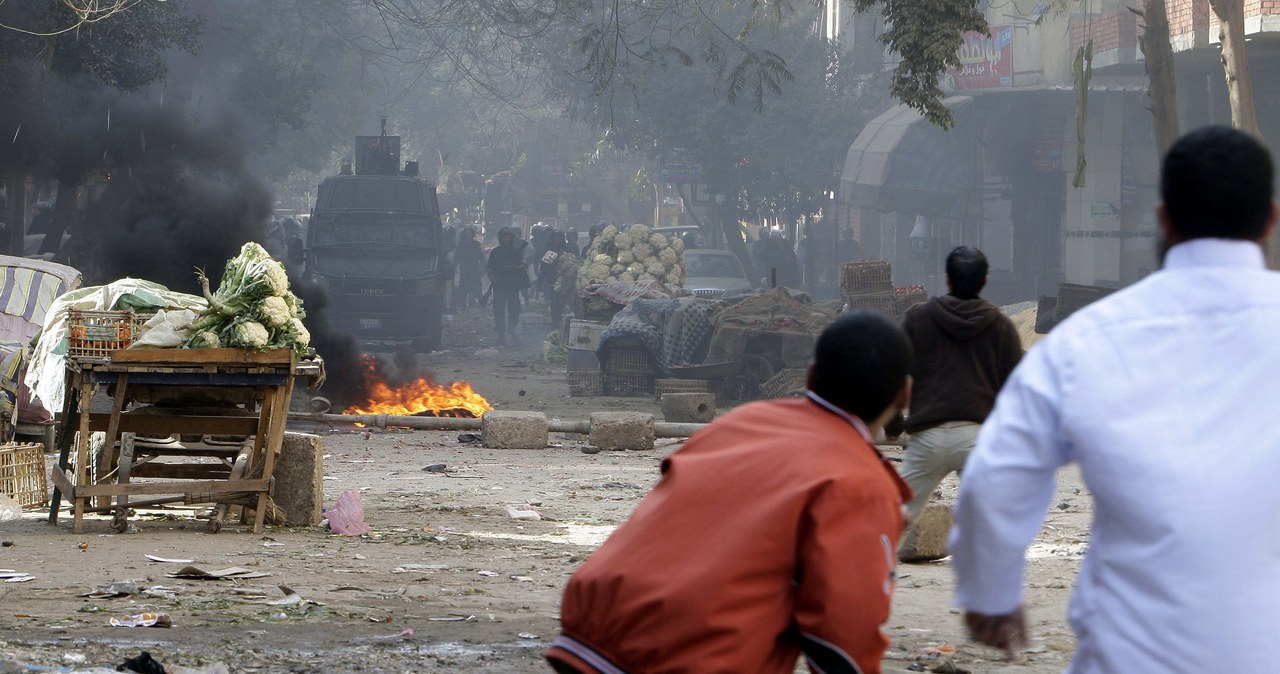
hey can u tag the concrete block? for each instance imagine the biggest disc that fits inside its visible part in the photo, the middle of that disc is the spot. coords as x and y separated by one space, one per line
513 430
689 408
621 430
926 540
299 473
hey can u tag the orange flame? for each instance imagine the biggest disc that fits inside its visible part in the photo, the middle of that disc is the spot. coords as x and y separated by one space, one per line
418 397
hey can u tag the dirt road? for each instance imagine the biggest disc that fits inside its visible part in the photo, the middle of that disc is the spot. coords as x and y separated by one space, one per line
448 581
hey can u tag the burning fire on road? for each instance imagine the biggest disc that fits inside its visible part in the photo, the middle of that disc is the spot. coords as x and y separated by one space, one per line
419 397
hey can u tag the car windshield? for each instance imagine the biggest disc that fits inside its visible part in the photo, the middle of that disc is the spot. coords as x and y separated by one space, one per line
715 266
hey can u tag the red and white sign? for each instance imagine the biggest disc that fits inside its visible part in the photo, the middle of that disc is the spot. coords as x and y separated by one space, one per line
986 60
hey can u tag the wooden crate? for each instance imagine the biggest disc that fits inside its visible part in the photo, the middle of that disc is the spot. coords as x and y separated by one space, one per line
585 383
93 335
866 276
883 301
665 386
788 382
22 474
628 371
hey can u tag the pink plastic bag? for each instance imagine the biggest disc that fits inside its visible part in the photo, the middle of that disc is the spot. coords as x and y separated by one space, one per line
346 517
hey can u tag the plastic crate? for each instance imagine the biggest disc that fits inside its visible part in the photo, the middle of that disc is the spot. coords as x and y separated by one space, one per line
866 276
789 382
93 335
908 297
585 383
664 386
22 474
628 371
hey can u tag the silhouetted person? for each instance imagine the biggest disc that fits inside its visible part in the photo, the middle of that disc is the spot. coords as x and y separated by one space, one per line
469 258
508 275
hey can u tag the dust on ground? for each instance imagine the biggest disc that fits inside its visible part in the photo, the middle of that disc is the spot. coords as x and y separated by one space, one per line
448 581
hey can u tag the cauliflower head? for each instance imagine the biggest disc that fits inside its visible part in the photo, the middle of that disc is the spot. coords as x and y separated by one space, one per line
641 251
668 257
301 336
625 257
639 232
609 231
626 277
623 240
677 244
603 259
274 312
205 339
248 334
635 268
658 241
653 266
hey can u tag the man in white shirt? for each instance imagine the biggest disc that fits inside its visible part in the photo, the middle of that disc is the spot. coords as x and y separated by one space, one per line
1163 394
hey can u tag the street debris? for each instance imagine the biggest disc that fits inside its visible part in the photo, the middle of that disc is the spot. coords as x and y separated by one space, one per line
488 574
164 560
527 635
436 468
234 572
143 620
142 664
12 576
406 568
468 437
116 590
524 513
346 517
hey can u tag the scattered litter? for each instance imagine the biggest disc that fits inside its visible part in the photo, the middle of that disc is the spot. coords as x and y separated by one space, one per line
10 509
143 664
272 544
6 544
161 592
346 517
116 590
527 635
349 588
165 560
489 574
234 572
522 579
406 568
437 468
143 620
404 633
525 513
454 618
944 649
11 576
468 437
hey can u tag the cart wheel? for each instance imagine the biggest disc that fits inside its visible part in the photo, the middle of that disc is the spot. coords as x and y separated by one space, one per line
120 520
215 525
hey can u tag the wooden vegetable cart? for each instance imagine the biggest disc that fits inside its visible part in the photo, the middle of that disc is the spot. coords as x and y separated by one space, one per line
165 392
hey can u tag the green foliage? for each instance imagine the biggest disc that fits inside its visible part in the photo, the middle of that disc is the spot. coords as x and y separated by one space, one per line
926 35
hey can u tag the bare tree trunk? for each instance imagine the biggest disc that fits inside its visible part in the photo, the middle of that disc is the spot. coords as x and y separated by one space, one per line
1157 53
1235 66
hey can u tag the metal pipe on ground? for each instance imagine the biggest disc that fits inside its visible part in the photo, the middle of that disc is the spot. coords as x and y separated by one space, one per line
661 429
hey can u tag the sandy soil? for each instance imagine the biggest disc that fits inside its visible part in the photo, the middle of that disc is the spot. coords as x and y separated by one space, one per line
448 581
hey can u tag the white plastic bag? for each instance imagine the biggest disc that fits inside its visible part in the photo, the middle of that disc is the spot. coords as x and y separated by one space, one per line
9 509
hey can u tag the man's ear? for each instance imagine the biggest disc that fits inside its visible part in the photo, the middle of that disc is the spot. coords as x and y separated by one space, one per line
1271 222
1166 229
904 395
808 377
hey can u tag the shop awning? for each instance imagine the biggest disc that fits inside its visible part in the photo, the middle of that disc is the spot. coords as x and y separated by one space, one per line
902 162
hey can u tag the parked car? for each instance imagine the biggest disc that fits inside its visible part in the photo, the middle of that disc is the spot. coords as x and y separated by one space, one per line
692 235
714 273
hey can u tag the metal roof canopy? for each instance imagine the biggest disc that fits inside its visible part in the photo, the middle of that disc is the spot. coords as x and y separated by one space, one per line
902 162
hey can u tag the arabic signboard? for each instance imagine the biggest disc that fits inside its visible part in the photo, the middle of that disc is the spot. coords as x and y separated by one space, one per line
986 60
678 166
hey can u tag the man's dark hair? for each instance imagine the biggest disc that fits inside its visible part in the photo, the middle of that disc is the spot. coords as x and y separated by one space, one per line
967 272
861 362
1216 182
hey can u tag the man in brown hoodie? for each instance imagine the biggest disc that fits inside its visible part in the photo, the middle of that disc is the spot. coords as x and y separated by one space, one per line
965 350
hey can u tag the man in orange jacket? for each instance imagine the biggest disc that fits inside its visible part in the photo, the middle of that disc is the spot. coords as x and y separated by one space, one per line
771 534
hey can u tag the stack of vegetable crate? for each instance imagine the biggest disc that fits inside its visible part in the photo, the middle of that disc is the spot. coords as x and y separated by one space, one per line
868 284
585 377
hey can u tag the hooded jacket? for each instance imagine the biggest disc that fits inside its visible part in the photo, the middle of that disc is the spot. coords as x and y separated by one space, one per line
964 352
771 534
